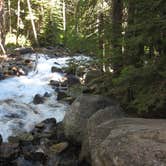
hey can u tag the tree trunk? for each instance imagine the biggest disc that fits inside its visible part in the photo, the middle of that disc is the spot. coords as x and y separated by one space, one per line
64 21
64 16
18 20
10 21
32 22
2 35
117 59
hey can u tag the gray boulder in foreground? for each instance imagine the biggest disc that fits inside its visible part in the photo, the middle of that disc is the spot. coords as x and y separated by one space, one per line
81 110
127 142
108 138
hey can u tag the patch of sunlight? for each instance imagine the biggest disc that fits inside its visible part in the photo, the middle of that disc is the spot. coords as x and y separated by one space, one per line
10 38
23 41
61 36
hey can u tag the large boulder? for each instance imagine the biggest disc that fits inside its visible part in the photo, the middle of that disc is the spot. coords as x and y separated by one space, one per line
101 116
81 110
127 141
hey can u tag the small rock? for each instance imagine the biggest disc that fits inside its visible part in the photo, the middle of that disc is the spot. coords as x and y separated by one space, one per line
56 63
34 153
45 129
2 76
54 83
72 80
13 139
61 95
56 69
21 161
25 138
24 50
40 125
58 148
1 140
27 61
38 99
47 94
69 99
50 121
60 132
8 153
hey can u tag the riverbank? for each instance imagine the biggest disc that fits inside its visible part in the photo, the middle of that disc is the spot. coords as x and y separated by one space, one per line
95 131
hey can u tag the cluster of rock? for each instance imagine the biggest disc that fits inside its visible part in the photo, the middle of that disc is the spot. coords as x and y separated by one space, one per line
64 87
15 64
96 132
108 138
45 145
58 51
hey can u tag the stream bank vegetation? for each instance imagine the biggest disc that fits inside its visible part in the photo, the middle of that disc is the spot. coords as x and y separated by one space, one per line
126 37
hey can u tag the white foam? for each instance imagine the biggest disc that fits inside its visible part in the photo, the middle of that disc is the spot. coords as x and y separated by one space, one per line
17 112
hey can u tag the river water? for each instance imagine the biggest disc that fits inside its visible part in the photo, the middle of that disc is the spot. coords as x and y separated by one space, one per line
17 111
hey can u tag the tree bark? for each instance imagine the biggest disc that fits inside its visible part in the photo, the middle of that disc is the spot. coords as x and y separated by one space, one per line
2 36
32 22
116 39
18 20
10 21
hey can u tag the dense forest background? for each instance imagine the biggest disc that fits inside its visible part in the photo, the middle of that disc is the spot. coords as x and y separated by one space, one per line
126 37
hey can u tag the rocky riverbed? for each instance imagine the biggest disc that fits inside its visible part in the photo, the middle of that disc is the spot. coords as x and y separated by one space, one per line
92 131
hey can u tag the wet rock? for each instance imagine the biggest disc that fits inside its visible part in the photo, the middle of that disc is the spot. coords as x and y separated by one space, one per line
13 139
61 95
38 99
54 83
40 125
58 148
25 138
12 116
69 99
69 157
56 69
81 110
50 121
35 155
56 63
60 135
21 161
2 76
27 61
46 94
24 50
8 153
72 80
45 129
1 140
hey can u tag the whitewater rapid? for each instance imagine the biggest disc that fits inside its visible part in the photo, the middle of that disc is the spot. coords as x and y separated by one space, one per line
17 111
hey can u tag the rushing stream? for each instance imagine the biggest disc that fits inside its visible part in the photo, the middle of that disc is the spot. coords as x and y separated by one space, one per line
17 111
